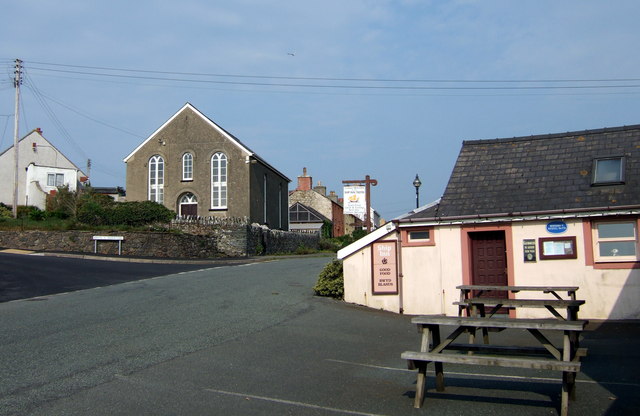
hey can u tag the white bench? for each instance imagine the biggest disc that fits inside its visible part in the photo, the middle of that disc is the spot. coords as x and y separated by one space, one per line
117 238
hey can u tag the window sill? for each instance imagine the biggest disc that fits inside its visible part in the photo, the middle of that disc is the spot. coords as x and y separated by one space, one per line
617 265
187 180
218 209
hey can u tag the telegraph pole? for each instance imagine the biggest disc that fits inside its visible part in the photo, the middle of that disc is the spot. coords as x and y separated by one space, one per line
16 116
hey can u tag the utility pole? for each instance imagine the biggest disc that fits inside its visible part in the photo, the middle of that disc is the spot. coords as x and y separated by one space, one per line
368 182
16 116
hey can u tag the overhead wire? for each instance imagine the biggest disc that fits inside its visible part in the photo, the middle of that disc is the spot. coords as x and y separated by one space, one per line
52 116
188 77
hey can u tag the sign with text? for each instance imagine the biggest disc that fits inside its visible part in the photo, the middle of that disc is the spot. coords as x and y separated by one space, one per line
529 248
355 202
385 271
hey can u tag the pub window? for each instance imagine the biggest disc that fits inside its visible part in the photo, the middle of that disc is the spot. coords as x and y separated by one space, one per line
608 171
418 236
615 241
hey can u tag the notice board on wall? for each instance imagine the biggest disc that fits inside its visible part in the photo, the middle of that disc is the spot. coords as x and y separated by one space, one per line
385 268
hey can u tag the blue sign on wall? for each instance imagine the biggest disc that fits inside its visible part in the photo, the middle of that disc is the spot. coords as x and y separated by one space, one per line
556 227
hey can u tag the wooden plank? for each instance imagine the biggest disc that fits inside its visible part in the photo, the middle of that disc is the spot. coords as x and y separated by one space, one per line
520 303
499 349
498 361
546 343
517 323
520 288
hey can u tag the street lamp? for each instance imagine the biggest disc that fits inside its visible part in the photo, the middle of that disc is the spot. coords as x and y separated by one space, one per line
417 183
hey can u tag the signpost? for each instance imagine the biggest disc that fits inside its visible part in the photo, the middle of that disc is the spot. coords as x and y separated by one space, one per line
368 182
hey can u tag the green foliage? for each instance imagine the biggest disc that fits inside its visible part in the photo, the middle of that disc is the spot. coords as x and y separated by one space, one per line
331 281
126 213
5 212
327 229
337 243
30 212
259 249
302 249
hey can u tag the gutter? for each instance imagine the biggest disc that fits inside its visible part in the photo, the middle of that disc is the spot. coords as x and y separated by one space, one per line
510 216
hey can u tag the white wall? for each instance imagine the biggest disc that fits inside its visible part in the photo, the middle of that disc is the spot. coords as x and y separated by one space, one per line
37 187
43 154
431 274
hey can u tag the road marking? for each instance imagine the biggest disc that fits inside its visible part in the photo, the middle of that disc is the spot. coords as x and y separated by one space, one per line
16 251
497 376
292 403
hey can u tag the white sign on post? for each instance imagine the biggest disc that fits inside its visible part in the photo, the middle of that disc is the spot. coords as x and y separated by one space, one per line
355 202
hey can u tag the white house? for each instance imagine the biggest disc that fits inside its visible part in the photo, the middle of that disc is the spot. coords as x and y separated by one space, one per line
42 168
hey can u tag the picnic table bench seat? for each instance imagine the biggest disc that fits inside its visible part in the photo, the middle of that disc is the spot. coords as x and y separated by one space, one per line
565 359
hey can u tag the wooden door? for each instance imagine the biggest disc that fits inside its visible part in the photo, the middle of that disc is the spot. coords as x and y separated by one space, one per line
188 210
489 260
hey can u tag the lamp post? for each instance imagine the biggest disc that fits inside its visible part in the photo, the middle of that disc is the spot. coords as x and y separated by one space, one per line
417 183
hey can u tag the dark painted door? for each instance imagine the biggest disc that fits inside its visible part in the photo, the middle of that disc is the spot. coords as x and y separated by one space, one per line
188 210
489 260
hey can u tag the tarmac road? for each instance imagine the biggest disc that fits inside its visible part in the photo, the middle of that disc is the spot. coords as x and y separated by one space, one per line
31 275
253 340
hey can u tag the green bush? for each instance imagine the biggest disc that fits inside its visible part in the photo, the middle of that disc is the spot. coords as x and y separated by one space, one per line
331 281
5 212
126 213
337 243
30 212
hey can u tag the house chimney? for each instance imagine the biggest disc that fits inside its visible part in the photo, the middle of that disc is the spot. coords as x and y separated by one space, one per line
333 196
319 188
304 181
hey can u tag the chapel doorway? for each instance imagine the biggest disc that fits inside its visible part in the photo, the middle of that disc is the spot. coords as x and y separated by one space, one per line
188 205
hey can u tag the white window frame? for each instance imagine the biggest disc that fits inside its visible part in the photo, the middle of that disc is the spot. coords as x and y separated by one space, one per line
219 178
187 167
55 179
613 259
156 179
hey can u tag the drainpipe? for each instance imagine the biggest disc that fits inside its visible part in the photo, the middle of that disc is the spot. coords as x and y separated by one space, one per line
400 275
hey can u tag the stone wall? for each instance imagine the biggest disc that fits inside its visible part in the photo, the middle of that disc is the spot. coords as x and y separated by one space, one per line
183 241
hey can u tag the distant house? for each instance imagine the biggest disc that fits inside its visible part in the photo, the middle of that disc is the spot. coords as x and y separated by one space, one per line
42 169
117 193
557 210
316 199
193 166
304 219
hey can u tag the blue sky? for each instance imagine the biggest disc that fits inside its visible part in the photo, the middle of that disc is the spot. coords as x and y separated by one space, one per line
345 88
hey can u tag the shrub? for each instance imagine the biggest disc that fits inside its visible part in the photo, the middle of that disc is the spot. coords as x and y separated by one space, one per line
30 212
330 281
126 213
5 212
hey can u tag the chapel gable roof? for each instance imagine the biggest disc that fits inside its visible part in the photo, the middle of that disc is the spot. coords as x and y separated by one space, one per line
188 107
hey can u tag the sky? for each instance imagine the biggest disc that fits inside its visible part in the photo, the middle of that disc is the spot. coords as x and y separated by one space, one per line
345 88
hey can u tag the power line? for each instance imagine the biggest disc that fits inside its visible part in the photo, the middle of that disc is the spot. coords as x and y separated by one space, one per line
342 79
603 83
86 115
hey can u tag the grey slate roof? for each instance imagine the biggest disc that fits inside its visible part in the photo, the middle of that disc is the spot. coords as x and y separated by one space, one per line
539 173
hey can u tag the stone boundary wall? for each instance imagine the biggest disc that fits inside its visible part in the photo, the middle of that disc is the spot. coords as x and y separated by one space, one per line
187 241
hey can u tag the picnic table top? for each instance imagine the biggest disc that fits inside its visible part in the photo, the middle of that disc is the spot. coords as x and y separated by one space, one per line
519 288
517 323
560 303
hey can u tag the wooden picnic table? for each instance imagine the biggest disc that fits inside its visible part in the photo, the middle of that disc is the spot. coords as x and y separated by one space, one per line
475 305
545 356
